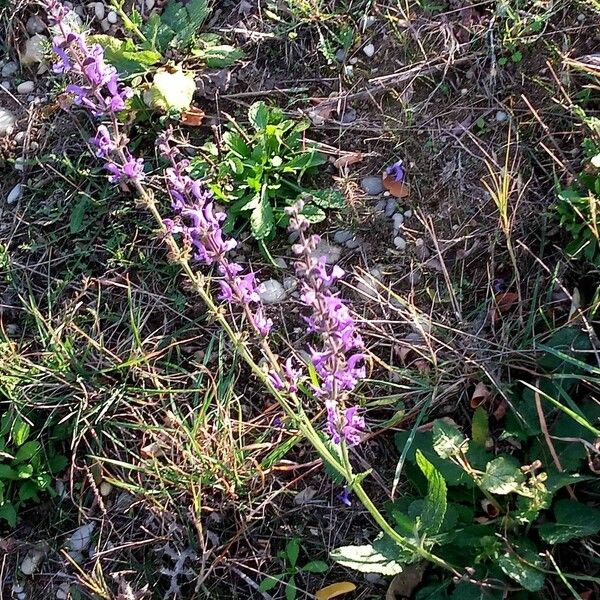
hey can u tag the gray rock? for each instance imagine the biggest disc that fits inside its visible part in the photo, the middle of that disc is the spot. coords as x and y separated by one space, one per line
408 214
9 69
390 207
15 194
353 244
331 253
421 249
340 55
99 11
280 262
33 52
6 85
372 185
369 50
26 87
81 538
367 284
342 236
271 292
501 116
7 121
348 116
380 206
293 237
32 561
400 243
112 17
35 25
398 219
290 283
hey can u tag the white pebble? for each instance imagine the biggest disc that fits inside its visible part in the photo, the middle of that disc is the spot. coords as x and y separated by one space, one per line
105 488
112 17
7 121
398 219
408 214
369 50
271 292
290 283
6 85
26 87
20 163
10 68
62 593
150 4
80 539
501 116
390 207
31 562
15 194
99 11
400 243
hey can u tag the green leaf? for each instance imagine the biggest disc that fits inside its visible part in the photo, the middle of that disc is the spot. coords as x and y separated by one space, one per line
269 583
522 564
20 431
313 213
304 161
219 57
28 490
258 115
316 566
236 144
124 56
480 429
77 215
57 463
27 451
7 473
365 559
184 20
292 550
573 520
24 471
290 589
262 219
328 198
9 514
170 90
448 440
502 476
434 506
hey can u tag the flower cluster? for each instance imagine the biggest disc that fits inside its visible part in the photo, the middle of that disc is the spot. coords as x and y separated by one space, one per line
199 221
97 89
340 361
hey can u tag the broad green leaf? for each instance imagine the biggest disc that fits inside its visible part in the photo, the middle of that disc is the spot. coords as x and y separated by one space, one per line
313 213
124 56
28 490
7 473
480 430
57 463
170 90
258 115
448 440
523 564
292 550
20 431
236 144
328 198
262 219
219 57
185 19
365 559
27 451
9 514
435 503
502 476
316 566
573 520
290 589
269 583
304 161
77 215
24 471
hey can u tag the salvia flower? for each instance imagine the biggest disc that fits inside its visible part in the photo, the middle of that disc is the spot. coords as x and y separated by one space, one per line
200 222
397 171
339 361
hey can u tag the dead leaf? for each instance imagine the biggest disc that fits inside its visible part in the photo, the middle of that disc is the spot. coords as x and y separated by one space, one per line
490 509
481 395
399 189
505 301
404 584
334 590
305 496
575 302
193 117
499 409
347 159
321 112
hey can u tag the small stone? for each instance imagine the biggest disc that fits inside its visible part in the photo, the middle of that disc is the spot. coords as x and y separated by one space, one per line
35 25
99 11
112 17
20 137
348 116
331 253
7 121
15 194
380 206
105 488
293 237
150 4
581 17
501 116
104 25
20 163
26 87
369 50
32 561
353 244
76 556
340 55
398 219
342 236
367 21
9 69
81 538
33 52
62 593
372 185
400 243
290 283
271 292
280 262
421 250
408 214
6 85
390 207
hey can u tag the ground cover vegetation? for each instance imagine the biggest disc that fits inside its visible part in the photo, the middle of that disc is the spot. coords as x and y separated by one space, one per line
298 299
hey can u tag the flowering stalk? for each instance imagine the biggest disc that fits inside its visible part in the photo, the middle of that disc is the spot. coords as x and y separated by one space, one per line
338 362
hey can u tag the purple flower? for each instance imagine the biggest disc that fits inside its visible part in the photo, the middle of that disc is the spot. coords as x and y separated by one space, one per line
131 170
344 497
288 380
103 142
397 171
353 426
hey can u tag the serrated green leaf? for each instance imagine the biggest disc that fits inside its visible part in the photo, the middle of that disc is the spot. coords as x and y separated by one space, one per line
523 564
435 503
262 219
219 57
316 566
269 583
235 143
448 440
258 115
365 560
27 451
573 520
313 213
502 476
7 473
328 198
304 161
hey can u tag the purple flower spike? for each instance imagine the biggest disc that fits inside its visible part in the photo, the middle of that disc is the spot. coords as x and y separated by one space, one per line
397 171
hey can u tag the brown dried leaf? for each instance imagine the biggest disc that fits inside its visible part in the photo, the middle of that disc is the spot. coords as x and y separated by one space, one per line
404 584
193 117
399 189
505 301
481 395
347 159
